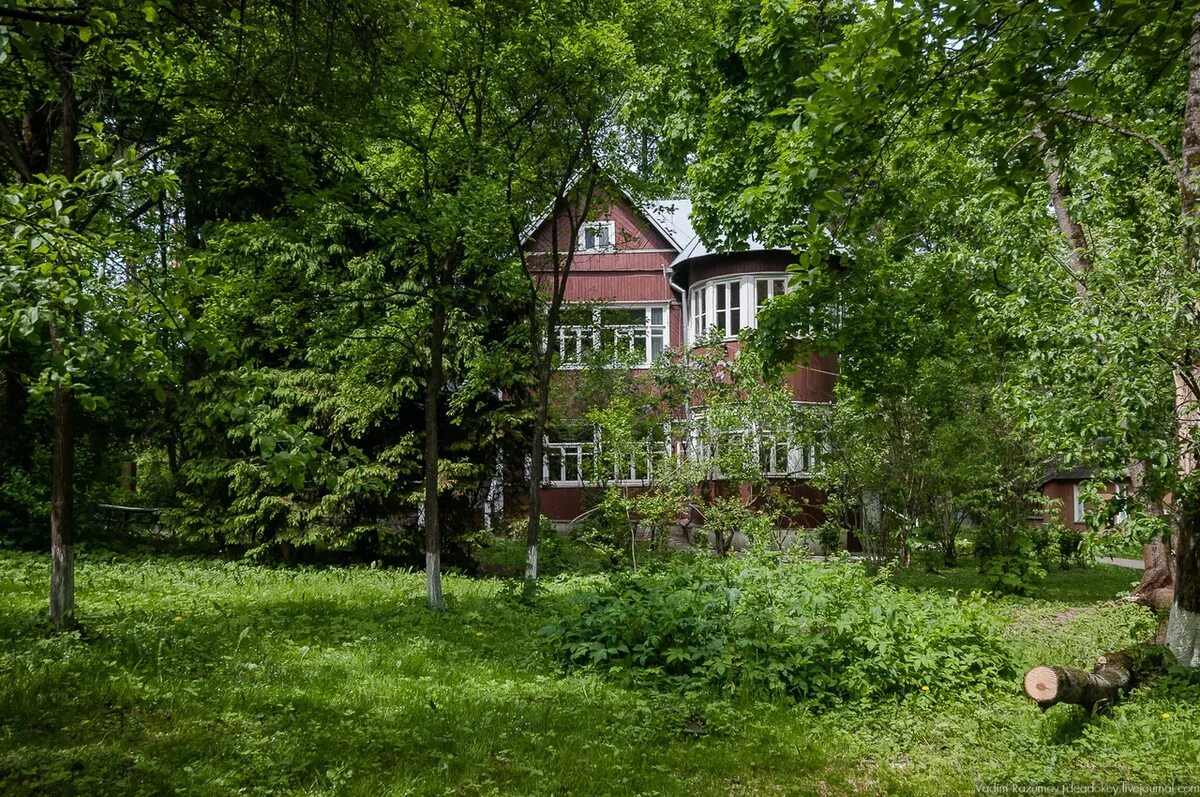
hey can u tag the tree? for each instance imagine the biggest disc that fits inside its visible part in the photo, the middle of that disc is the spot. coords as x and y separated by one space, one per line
592 71
721 465
1068 104
82 290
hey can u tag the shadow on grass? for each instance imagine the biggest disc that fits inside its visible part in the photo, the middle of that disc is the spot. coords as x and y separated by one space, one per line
331 683
1073 586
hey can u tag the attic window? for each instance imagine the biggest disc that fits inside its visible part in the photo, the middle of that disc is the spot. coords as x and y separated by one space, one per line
597 236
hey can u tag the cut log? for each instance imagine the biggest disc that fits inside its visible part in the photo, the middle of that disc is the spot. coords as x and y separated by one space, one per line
1112 675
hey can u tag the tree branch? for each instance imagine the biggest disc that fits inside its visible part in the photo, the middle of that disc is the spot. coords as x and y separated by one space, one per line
14 152
1174 165
50 15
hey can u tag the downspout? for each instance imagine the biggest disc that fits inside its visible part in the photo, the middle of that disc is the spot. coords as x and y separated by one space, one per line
669 273
685 319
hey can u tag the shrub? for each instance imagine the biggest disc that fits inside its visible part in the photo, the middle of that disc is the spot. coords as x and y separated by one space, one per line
773 628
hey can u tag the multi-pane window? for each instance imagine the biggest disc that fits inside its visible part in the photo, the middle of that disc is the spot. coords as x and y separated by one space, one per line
727 307
635 335
767 288
777 456
773 457
699 313
596 236
731 305
781 458
578 463
567 463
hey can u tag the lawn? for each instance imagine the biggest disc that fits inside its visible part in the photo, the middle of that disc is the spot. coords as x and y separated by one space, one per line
208 677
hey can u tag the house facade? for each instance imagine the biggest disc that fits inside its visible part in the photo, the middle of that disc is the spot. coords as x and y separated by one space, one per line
648 285
1069 490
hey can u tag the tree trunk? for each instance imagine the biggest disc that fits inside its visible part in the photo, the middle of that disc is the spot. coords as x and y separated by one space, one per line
1060 198
1159 573
537 457
1183 625
62 544
1112 675
433 388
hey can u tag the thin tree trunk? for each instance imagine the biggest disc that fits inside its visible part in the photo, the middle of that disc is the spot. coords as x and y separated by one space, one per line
1060 198
537 456
561 262
62 450
433 387
62 544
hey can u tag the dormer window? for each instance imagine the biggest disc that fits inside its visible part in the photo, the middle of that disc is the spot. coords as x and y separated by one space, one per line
597 236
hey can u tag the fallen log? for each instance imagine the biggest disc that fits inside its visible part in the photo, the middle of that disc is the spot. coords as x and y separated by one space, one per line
1113 674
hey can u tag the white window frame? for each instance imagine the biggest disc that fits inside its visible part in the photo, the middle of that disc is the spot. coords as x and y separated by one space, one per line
801 461
576 457
577 334
1122 492
702 301
610 234
1080 509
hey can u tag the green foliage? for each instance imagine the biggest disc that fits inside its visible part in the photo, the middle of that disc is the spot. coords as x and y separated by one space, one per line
771 628
504 554
339 681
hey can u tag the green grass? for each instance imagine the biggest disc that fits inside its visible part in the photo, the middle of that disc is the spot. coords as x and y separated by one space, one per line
1073 586
203 677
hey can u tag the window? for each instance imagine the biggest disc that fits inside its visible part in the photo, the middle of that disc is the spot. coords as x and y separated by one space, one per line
727 307
732 305
636 335
699 313
781 458
597 236
1122 495
579 463
778 457
566 463
768 288
1080 507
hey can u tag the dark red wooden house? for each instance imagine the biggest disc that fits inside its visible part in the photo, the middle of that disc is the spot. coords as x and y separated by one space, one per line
644 270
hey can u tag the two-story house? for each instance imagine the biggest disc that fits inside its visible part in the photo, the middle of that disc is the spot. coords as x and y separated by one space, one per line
649 284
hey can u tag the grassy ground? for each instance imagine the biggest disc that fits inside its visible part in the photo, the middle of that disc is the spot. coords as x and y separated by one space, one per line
203 677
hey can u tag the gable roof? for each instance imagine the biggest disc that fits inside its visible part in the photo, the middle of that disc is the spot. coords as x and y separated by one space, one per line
671 218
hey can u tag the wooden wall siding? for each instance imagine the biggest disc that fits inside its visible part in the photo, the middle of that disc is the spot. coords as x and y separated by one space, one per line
734 263
811 382
618 287
562 504
633 231
611 262
815 382
676 321
1064 492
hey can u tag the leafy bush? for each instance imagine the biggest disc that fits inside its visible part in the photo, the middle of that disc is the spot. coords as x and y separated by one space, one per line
504 554
773 628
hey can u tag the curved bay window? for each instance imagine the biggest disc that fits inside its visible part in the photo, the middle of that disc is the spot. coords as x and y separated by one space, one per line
731 304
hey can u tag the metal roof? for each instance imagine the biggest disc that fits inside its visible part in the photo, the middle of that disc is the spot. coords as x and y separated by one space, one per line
673 217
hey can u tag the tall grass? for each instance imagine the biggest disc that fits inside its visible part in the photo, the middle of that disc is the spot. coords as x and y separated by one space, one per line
213 678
